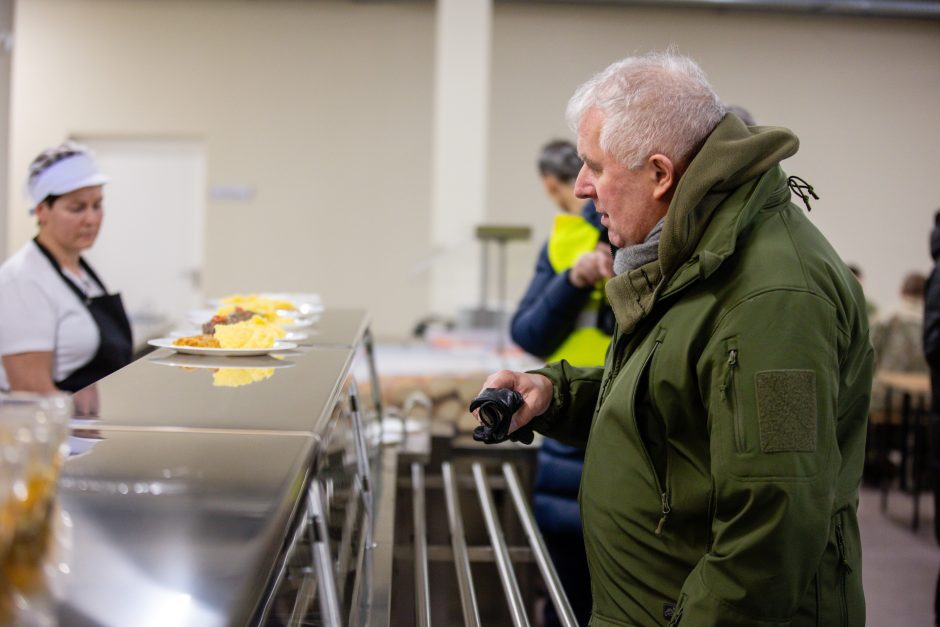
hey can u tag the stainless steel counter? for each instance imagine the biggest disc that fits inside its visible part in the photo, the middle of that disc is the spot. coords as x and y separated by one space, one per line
167 390
185 501
174 528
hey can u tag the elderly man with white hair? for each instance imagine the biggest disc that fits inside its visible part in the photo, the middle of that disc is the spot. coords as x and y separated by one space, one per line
725 434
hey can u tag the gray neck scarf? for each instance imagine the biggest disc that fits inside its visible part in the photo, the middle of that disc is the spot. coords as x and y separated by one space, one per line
632 257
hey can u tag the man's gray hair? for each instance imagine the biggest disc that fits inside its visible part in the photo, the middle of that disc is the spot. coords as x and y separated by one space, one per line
660 102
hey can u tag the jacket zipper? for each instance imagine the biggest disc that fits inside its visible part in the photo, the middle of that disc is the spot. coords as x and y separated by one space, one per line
680 609
712 512
730 395
846 569
663 494
620 340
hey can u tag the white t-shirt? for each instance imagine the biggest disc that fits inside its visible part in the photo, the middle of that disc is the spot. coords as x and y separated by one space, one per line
40 313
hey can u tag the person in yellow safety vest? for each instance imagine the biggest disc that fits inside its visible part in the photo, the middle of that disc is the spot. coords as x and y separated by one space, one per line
564 315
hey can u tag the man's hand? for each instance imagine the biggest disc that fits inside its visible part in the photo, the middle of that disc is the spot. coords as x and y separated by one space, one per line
536 391
592 267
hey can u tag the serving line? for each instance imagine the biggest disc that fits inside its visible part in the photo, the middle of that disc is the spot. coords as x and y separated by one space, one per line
188 504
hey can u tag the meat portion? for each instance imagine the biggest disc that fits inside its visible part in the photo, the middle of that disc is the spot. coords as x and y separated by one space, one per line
239 315
198 341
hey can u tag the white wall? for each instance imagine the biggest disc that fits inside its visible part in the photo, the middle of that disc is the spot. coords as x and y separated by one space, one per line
861 93
324 107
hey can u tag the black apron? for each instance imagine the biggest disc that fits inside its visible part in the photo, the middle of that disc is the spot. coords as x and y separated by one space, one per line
115 348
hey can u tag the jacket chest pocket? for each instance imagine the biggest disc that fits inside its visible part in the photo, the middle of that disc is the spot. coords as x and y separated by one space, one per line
765 422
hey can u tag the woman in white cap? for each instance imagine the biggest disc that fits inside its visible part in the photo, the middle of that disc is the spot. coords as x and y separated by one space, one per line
59 327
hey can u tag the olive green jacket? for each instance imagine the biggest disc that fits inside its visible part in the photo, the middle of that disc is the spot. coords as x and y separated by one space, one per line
725 434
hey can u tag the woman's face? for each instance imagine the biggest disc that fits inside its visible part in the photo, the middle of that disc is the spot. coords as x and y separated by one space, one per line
73 220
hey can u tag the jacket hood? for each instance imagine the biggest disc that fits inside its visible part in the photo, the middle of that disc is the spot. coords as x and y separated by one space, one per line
731 155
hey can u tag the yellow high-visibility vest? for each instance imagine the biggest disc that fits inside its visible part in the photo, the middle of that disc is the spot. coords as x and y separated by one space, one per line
571 237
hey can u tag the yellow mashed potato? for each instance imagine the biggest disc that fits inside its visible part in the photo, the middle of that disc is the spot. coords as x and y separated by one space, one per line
254 333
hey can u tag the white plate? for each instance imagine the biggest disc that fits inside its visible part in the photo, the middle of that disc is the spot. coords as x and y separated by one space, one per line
167 342
298 323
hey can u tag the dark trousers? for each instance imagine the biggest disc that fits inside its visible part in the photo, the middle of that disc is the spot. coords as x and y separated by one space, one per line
567 552
934 478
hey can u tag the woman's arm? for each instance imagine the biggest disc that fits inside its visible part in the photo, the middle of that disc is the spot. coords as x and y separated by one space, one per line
30 372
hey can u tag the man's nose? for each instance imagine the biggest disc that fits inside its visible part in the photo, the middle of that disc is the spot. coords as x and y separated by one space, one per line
582 187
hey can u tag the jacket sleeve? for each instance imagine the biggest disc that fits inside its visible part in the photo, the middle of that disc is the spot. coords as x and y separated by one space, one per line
769 378
549 309
574 396
932 319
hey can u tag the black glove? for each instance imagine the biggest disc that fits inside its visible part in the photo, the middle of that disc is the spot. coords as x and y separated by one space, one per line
497 405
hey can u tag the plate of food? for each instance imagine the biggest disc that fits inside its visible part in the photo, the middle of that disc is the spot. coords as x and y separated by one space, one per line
190 346
289 336
255 336
208 319
293 304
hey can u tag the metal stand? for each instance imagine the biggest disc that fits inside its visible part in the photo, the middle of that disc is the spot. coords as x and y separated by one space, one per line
498 551
484 317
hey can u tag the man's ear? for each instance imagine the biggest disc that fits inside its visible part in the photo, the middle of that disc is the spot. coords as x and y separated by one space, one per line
663 173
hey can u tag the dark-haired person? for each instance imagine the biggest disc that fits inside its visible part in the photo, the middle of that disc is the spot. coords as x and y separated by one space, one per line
558 315
59 327
562 316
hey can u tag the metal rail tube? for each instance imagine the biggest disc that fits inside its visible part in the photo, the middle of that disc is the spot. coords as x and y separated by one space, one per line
422 587
346 545
373 607
549 574
282 572
503 563
458 542
323 563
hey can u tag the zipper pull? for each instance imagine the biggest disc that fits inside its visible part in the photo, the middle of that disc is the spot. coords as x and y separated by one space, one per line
666 509
732 364
840 539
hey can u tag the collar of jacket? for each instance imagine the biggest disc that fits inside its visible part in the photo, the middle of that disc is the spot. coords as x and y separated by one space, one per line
696 238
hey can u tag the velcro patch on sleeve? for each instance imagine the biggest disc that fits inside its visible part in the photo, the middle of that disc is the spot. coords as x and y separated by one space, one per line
786 410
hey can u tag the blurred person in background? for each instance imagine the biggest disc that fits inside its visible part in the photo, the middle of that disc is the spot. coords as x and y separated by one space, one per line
59 327
932 353
726 432
562 316
898 338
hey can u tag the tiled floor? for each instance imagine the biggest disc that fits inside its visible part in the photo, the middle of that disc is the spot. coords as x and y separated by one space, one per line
899 566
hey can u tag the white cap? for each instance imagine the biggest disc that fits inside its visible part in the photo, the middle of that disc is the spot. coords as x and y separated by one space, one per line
73 172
